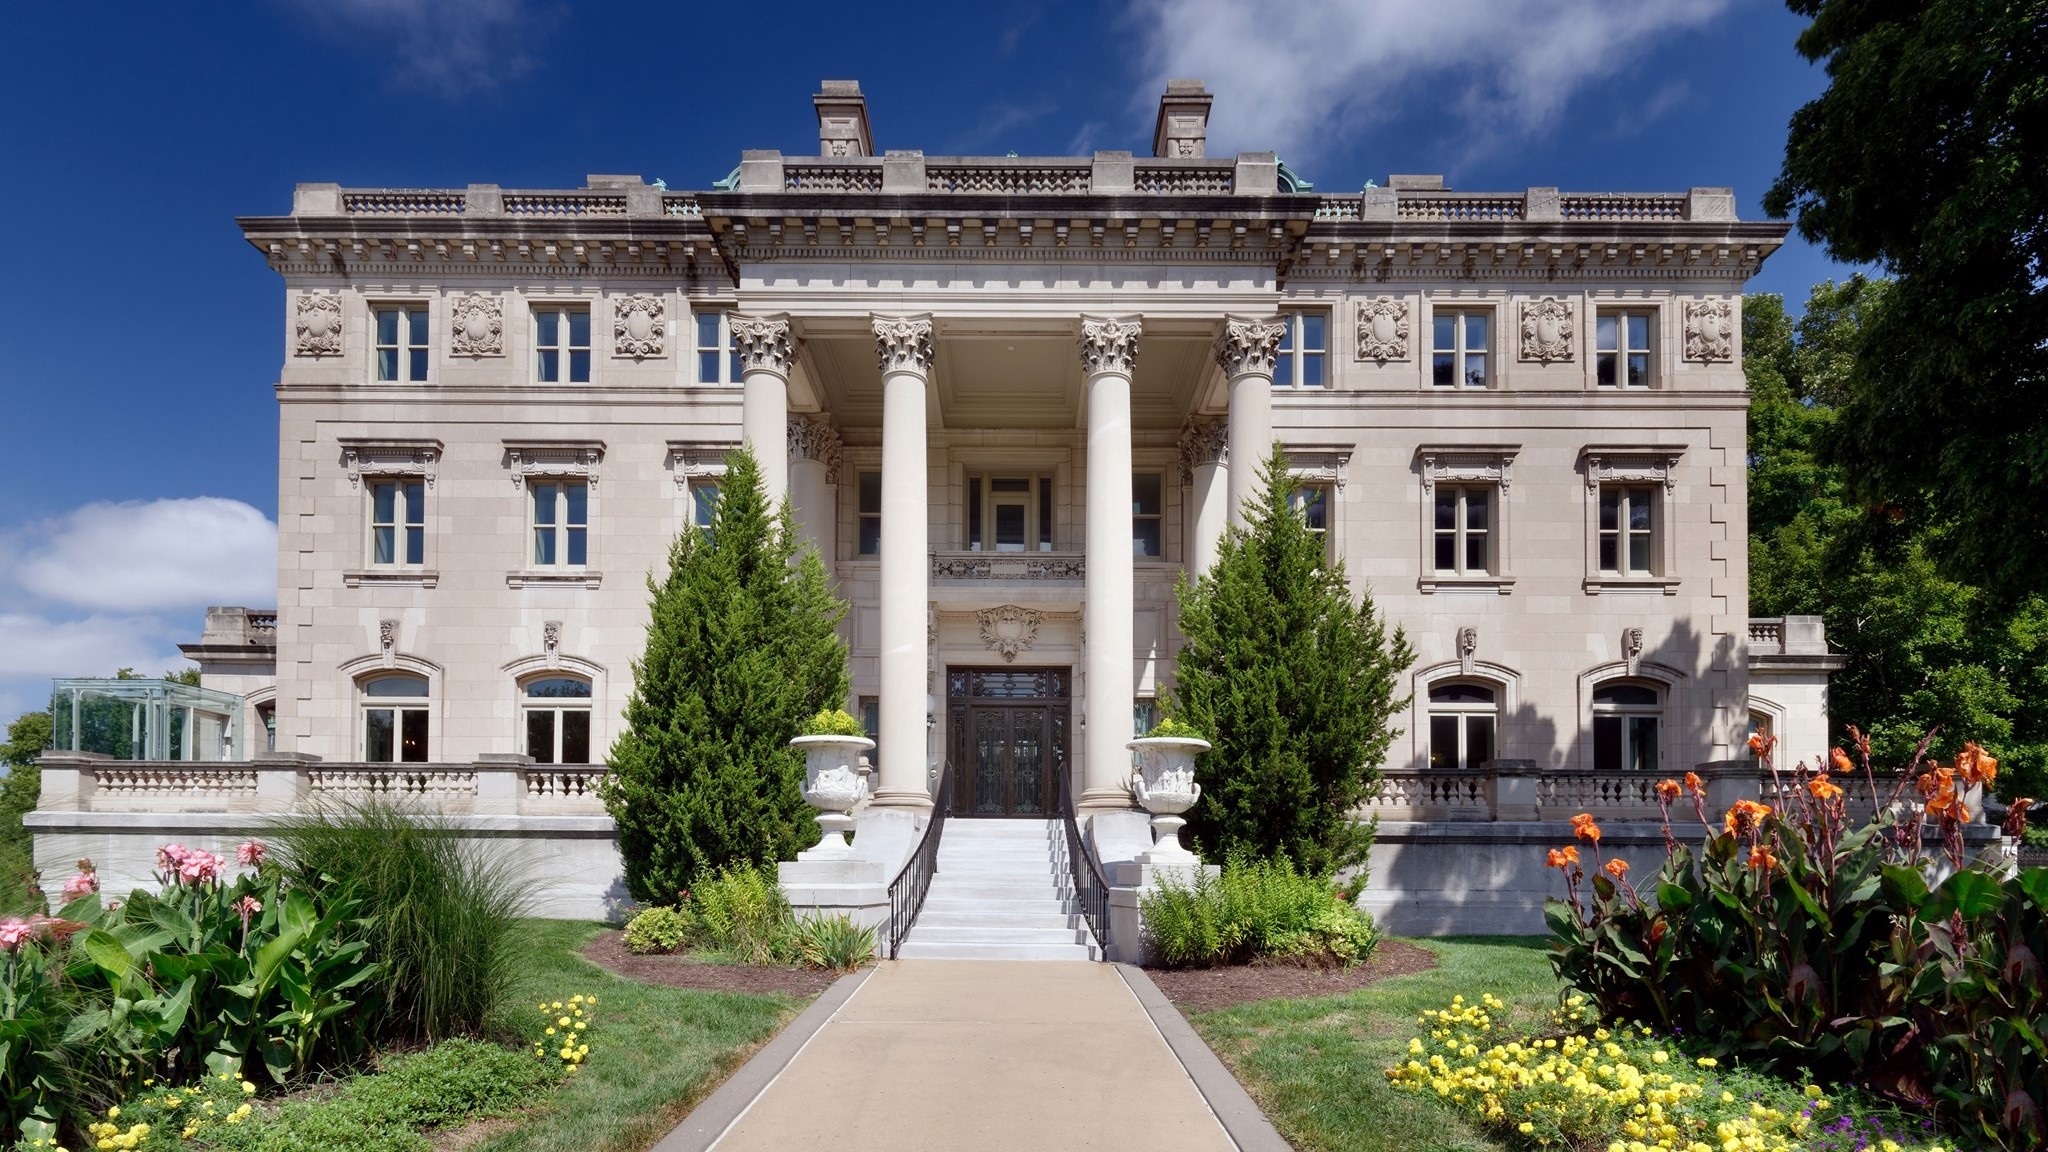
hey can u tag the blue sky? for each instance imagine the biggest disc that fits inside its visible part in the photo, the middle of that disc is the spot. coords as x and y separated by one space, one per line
143 336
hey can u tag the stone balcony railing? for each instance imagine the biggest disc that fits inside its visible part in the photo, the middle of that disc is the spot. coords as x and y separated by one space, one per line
282 785
1060 566
1538 205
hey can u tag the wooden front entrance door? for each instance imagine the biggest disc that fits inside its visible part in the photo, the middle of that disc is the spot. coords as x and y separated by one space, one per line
1008 731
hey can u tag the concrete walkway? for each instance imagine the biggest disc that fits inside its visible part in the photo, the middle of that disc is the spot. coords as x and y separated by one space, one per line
961 1054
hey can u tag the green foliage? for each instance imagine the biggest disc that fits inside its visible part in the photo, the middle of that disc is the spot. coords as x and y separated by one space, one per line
742 648
1256 910
836 942
1294 681
441 911
833 722
20 790
1175 729
740 913
1923 156
657 929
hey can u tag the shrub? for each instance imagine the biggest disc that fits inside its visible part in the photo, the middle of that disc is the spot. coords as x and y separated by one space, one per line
1255 910
836 942
742 648
657 929
1175 729
740 913
441 911
834 722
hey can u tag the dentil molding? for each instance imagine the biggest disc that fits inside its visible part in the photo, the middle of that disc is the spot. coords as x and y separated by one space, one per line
1383 329
1710 330
1109 344
639 327
317 327
476 325
1548 330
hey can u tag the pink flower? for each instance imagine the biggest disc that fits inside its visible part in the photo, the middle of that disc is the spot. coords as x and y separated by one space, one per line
13 931
83 884
200 867
169 856
248 906
250 853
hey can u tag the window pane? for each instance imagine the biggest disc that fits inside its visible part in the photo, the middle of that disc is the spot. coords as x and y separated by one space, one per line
415 545
549 366
412 736
1606 743
415 502
417 319
1145 497
1603 371
547 330
973 512
576 737
543 545
579 329
1145 537
870 535
707 367
1012 484
387 363
1289 321
1610 511
1475 370
1313 327
384 502
1475 552
540 735
544 503
706 496
1475 509
387 326
1447 508
1626 696
1605 334
1045 513
382 543
377 736
1445 329
1478 740
1642 743
733 370
1639 552
578 497
1610 554
1447 551
1283 371
1638 331
1639 511
414 686
1460 694
1009 527
578 543
707 333
871 493
579 367
1638 371
1312 370
419 364
1443 741
558 688
1443 369
1475 331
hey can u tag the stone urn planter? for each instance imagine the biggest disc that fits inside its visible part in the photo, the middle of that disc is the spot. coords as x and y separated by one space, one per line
833 784
1165 786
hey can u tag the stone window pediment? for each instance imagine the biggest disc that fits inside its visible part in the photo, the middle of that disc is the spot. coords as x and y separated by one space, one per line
582 459
365 456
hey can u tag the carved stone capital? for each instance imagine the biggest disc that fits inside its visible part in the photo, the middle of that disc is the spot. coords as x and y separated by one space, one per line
763 342
639 326
904 343
1109 344
1548 330
1249 345
1201 444
476 325
317 326
1383 329
814 438
1710 330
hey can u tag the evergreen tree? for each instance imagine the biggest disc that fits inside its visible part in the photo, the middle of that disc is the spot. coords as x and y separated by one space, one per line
742 647
1294 681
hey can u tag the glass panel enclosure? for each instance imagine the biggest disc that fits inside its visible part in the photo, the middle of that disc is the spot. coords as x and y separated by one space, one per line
146 720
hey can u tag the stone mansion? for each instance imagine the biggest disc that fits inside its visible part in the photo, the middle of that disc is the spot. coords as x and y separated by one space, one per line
1010 400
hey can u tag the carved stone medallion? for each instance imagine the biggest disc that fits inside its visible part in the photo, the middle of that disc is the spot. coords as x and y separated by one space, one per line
1009 629
318 326
1383 329
1109 344
476 325
1547 330
637 326
1709 330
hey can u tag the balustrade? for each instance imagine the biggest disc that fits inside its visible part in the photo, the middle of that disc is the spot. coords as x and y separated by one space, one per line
510 787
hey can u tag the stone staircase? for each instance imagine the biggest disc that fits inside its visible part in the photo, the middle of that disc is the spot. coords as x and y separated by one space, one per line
997 895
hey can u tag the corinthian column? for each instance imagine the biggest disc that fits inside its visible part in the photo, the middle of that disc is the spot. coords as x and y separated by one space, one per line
905 346
1246 352
1204 460
813 469
765 354
1109 350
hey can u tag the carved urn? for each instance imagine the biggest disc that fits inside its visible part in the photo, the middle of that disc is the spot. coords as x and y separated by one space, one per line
833 784
1164 784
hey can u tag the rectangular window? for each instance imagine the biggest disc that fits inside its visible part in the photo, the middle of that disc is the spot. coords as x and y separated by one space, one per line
704 503
1147 514
398 522
1312 503
1009 513
1464 530
718 360
1621 349
1628 531
561 523
1625 743
869 531
395 735
871 724
1144 716
561 342
402 344
1458 357
1304 347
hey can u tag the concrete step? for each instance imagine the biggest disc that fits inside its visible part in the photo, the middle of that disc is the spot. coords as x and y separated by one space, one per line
940 918
1044 906
915 949
941 934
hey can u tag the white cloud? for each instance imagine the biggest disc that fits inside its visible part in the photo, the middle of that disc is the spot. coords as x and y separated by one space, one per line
142 556
448 46
37 649
1288 74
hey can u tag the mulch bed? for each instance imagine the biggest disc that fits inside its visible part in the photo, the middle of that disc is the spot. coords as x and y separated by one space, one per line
609 952
1207 989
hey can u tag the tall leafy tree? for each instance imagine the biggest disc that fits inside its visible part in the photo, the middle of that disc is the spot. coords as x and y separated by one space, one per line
1928 155
20 790
1295 682
742 647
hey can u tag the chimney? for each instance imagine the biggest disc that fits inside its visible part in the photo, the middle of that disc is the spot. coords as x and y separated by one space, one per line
842 119
1182 131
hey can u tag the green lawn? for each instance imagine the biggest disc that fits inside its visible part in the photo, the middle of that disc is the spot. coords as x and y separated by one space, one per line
654 1052
1315 1065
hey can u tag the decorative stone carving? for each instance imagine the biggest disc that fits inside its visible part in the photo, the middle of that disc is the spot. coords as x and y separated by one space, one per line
1109 344
399 458
689 460
1462 465
1710 330
551 641
1164 785
763 342
904 343
1320 465
1632 647
1547 329
1468 648
476 325
639 327
318 326
1249 345
387 635
813 438
833 785
1009 629
1201 444
983 566
1626 467
568 458
1383 329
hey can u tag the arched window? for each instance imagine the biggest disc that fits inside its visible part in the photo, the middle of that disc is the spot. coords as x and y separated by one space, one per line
1625 718
557 718
1461 726
395 719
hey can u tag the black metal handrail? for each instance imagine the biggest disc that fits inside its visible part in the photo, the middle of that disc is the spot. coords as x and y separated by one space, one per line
906 891
1091 891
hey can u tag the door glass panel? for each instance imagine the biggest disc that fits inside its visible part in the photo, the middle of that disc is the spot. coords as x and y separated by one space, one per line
377 742
1443 741
540 736
576 737
1027 754
988 762
1478 740
1607 743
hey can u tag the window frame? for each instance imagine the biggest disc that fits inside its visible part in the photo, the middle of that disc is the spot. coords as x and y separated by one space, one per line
1625 715
1157 517
1652 471
562 530
1628 498
862 515
1468 466
1461 532
1327 490
725 348
1464 712
564 348
1459 312
367 704
557 707
1653 352
1293 356
980 500
408 491
408 354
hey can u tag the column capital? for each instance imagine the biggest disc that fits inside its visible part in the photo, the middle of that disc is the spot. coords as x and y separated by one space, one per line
1109 344
1249 345
904 343
763 342
1203 442
812 437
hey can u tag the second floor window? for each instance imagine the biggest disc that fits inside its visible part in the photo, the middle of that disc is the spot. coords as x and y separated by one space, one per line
561 345
1622 349
868 531
1009 513
704 504
402 343
1312 503
398 522
1303 349
1628 531
1458 357
1147 508
1464 530
561 523
718 362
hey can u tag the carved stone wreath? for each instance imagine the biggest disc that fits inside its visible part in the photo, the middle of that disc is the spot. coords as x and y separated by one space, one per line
1547 330
1709 330
318 326
637 327
1383 329
477 325
1009 629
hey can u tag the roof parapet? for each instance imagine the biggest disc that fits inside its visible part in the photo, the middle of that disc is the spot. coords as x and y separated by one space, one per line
842 119
1181 131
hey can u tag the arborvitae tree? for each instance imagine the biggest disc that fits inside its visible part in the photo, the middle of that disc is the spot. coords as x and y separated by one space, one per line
742 647
1294 680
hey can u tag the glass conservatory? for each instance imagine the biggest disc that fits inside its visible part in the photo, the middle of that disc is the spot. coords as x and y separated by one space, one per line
145 720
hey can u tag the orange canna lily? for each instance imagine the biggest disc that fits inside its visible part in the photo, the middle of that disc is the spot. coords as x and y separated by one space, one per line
1562 858
1692 784
1841 761
1822 788
1617 868
1584 828
1746 817
1668 790
1760 857
1975 765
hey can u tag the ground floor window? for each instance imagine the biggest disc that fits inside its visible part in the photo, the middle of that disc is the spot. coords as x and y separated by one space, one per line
395 719
1625 720
557 720
1461 726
